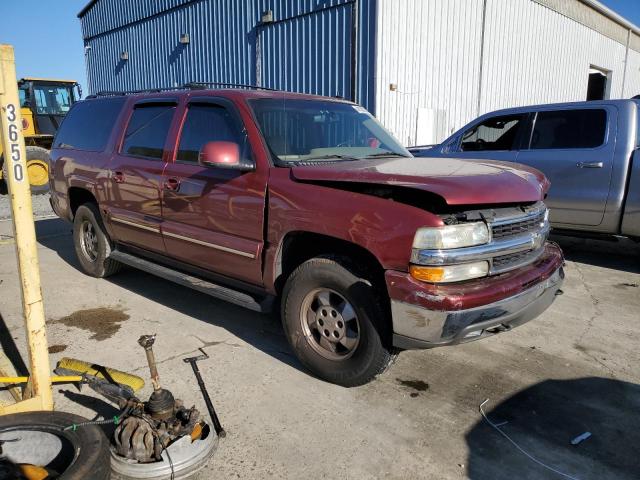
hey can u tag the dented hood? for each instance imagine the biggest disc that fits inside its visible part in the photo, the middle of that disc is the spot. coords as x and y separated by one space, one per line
457 181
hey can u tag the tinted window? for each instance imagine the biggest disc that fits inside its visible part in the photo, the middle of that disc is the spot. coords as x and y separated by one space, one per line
147 131
88 124
320 130
496 133
584 128
206 123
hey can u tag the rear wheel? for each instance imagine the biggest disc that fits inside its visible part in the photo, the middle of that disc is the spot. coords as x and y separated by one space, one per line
334 322
38 169
92 244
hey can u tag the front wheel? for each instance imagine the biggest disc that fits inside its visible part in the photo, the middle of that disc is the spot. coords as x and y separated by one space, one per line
334 322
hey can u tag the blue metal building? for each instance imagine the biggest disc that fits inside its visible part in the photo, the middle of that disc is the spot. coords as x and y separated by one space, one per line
423 67
315 46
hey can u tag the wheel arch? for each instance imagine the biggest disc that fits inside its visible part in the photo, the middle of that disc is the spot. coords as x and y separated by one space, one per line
299 246
79 196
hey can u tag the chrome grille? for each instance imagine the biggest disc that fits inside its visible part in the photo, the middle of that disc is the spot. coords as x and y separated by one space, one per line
518 239
505 261
518 228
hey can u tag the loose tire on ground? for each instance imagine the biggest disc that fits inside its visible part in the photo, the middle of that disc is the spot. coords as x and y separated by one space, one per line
91 242
352 367
83 452
38 169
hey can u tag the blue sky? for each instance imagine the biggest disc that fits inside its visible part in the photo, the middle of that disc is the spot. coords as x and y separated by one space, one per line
46 34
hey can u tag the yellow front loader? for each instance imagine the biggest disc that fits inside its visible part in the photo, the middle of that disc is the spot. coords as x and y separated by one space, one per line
43 104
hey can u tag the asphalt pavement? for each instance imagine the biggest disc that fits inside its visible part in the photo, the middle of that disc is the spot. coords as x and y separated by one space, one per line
573 370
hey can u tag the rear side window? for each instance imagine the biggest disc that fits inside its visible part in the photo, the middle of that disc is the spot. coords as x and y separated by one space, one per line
88 124
496 134
147 131
583 128
206 123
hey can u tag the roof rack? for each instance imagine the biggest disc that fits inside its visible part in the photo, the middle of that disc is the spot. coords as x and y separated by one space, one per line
115 93
186 86
196 85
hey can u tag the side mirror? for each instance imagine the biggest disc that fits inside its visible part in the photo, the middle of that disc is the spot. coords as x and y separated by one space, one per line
222 155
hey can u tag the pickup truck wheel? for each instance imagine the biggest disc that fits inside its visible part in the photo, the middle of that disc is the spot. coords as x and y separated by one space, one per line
91 242
334 323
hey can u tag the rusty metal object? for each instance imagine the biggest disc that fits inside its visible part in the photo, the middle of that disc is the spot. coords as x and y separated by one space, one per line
135 439
146 342
148 428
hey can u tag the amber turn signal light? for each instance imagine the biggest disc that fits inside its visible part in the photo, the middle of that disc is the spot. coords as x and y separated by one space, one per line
449 273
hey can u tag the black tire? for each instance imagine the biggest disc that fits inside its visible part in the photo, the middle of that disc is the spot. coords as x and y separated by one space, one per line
98 265
85 450
40 155
372 355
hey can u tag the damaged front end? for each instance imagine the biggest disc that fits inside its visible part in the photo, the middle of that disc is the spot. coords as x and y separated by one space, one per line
502 275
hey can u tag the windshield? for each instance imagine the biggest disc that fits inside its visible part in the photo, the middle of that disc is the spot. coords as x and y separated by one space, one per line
52 99
322 130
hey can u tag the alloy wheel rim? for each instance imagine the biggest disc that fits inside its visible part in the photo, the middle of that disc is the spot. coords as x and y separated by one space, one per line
330 324
89 241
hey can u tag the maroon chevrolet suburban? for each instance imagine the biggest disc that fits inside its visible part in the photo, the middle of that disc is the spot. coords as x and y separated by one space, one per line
308 204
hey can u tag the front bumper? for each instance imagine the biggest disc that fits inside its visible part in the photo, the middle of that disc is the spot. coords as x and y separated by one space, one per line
419 323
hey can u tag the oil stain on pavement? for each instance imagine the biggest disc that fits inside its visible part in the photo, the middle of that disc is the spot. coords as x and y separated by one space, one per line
415 385
102 322
57 348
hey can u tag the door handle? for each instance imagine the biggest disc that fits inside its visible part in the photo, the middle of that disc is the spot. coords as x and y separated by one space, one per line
118 177
589 164
172 184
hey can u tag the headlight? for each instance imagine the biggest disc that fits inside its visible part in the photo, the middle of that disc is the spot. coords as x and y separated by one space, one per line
449 273
451 236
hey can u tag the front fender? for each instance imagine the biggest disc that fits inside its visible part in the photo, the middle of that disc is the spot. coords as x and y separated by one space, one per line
383 227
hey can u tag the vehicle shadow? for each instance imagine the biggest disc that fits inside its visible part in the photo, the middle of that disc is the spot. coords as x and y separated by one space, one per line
621 254
545 418
259 330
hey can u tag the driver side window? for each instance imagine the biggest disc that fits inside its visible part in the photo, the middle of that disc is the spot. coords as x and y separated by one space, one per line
495 134
208 123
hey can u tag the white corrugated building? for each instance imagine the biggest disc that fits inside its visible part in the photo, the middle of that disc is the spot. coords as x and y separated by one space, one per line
424 67
442 63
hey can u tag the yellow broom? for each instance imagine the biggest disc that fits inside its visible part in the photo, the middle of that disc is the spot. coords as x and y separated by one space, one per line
71 370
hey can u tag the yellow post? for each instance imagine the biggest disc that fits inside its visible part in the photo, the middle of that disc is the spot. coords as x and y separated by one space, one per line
25 236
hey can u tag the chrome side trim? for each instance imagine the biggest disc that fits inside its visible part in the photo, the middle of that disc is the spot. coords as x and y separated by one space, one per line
135 224
210 245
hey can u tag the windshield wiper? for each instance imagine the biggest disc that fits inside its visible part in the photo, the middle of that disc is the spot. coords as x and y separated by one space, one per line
329 157
386 154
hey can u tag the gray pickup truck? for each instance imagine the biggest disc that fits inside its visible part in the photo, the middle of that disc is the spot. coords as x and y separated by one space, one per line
588 150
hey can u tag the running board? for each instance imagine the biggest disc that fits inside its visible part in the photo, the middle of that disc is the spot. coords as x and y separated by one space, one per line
242 299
